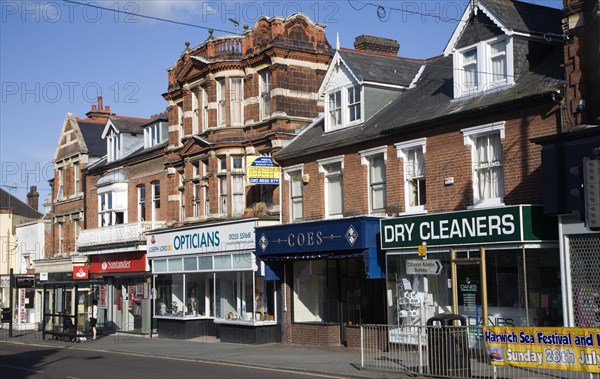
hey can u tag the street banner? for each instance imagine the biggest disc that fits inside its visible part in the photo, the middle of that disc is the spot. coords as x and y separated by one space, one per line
575 349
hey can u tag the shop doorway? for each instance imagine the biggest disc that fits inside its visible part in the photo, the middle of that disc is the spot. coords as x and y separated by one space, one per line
469 286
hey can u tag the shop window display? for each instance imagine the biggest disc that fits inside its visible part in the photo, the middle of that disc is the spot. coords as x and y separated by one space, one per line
227 296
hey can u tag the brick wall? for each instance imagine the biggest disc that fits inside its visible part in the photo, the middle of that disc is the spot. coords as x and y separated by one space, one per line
446 156
315 334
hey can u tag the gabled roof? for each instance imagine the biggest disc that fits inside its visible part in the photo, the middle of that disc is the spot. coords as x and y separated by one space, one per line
512 17
428 104
125 125
92 135
164 116
8 201
379 68
370 67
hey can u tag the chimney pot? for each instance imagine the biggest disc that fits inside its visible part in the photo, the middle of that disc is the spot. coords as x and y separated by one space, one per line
107 108
94 107
100 107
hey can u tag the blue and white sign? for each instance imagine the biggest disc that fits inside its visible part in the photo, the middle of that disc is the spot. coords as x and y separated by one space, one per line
208 239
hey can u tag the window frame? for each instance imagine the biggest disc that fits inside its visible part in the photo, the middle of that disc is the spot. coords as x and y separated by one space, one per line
367 158
221 102
76 179
113 146
403 151
484 72
141 202
355 104
264 95
155 198
325 166
205 107
291 174
471 135
233 99
180 118
195 111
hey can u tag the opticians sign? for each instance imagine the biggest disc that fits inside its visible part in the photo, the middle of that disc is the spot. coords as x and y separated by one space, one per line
208 239
493 225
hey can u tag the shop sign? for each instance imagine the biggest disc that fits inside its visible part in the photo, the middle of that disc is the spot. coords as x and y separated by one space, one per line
81 272
262 170
212 239
25 281
121 262
423 267
494 225
310 237
575 349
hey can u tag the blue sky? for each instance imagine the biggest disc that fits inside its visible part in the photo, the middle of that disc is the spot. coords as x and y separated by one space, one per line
57 56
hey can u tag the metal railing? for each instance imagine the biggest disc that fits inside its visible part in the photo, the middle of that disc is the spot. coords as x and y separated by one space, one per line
449 352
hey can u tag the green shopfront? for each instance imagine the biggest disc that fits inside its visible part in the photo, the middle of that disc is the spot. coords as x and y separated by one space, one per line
494 266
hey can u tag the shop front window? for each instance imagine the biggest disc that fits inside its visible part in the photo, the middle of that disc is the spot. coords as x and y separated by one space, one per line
218 286
199 294
315 291
169 295
414 298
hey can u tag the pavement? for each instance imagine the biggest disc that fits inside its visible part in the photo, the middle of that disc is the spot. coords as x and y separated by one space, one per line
334 361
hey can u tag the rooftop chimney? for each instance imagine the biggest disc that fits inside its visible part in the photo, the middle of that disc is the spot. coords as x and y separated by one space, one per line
99 111
33 197
379 45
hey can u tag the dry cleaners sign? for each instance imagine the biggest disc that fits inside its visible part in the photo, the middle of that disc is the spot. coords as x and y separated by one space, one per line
505 224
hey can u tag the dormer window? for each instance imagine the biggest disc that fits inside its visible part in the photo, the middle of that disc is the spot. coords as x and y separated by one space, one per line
335 109
153 135
344 107
354 103
483 67
113 145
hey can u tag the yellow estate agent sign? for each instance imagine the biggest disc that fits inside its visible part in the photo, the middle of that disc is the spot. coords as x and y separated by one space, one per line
262 170
576 349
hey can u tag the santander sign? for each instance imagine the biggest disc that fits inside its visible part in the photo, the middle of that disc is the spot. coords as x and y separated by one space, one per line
121 262
81 272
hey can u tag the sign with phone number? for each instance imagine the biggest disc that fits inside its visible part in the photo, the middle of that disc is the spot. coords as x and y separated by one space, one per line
575 349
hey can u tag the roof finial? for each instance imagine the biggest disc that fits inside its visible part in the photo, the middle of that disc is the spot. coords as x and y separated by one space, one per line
337 41
187 46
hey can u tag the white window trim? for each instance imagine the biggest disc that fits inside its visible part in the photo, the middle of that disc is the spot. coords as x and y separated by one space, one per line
195 111
365 156
484 68
287 177
344 109
402 149
76 179
231 103
223 195
180 118
264 94
113 146
205 105
325 162
221 96
346 106
141 202
470 135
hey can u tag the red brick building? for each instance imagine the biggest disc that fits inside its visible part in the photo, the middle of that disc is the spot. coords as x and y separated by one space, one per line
233 102
439 152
